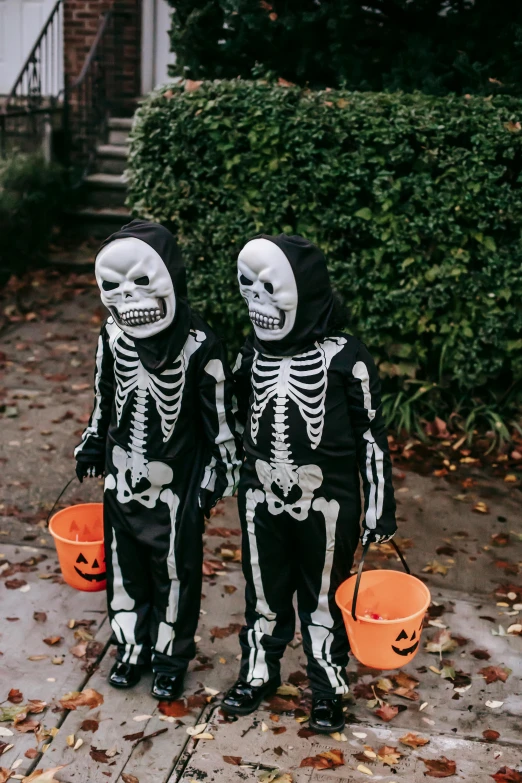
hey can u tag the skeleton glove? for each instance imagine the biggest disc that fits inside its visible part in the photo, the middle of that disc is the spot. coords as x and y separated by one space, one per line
372 537
84 470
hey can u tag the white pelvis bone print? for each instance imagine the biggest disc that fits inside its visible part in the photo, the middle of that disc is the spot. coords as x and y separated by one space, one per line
165 392
267 284
303 380
136 287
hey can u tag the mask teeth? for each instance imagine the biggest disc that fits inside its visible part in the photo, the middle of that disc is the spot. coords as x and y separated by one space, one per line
265 321
140 317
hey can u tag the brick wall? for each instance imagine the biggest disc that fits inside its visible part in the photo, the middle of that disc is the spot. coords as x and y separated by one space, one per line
81 21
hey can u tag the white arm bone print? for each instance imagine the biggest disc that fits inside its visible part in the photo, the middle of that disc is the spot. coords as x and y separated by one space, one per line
302 379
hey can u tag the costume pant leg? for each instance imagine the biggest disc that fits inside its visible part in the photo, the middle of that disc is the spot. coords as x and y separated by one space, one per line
268 557
327 540
177 566
128 587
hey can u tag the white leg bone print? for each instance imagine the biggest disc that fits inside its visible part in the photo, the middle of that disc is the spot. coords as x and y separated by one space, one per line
124 620
303 380
166 633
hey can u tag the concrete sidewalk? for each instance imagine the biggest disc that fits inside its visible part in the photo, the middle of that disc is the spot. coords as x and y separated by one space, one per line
473 560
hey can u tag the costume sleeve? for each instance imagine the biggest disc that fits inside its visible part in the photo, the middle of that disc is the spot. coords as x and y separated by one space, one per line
216 398
91 450
243 384
373 456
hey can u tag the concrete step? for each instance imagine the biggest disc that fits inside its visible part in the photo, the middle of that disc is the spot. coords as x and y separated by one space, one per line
105 190
119 129
97 223
111 158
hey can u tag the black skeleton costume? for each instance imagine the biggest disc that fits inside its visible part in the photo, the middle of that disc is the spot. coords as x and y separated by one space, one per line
162 430
309 400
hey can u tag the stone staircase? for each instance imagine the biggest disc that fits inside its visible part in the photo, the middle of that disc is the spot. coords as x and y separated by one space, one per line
103 207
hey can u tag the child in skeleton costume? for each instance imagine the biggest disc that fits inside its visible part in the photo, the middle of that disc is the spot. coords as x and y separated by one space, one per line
162 432
308 396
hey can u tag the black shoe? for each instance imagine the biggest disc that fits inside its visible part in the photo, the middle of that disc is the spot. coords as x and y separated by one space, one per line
167 688
124 675
243 698
327 715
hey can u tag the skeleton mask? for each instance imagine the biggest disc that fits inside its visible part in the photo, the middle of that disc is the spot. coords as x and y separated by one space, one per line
268 286
136 287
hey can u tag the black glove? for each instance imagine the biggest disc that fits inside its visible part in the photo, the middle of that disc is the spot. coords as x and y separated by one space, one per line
207 501
86 470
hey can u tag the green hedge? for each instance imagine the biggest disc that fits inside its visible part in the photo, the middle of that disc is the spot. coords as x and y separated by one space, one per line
31 194
416 201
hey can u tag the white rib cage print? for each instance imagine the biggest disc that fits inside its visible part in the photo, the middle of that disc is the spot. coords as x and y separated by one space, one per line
166 389
302 379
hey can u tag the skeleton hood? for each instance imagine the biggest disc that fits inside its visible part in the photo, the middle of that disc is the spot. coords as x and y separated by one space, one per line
307 308
158 350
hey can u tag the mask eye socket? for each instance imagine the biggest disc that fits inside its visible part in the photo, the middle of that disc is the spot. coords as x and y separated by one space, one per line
269 287
108 286
142 280
244 280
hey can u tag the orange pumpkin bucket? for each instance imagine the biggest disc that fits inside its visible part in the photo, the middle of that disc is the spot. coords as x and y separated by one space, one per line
78 537
383 612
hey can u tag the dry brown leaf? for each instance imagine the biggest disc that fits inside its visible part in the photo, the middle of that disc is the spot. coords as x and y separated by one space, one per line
129 778
52 640
174 709
434 567
440 768
387 712
223 633
327 760
441 642
15 696
491 735
495 673
39 776
87 698
389 755
480 507
413 740
234 760
507 775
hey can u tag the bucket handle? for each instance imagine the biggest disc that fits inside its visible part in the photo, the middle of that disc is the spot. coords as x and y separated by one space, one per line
64 490
359 573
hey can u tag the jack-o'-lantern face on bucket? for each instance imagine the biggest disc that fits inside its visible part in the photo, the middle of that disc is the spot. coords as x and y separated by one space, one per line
412 642
95 574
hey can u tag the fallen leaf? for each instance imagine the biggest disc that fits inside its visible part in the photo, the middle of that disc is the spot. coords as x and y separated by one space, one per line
387 712
434 567
507 775
90 725
193 731
234 760
491 735
15 696
40 617
87 698
494 705
441 642
223 633
413 740
404 680
275 776
52 640
389 755
329 759
287 689
39 776
495 673
481 655
440 768
480 507
129 778
174 709
102 756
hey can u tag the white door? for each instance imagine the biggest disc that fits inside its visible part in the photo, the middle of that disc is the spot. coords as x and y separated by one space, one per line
155 53
21 22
